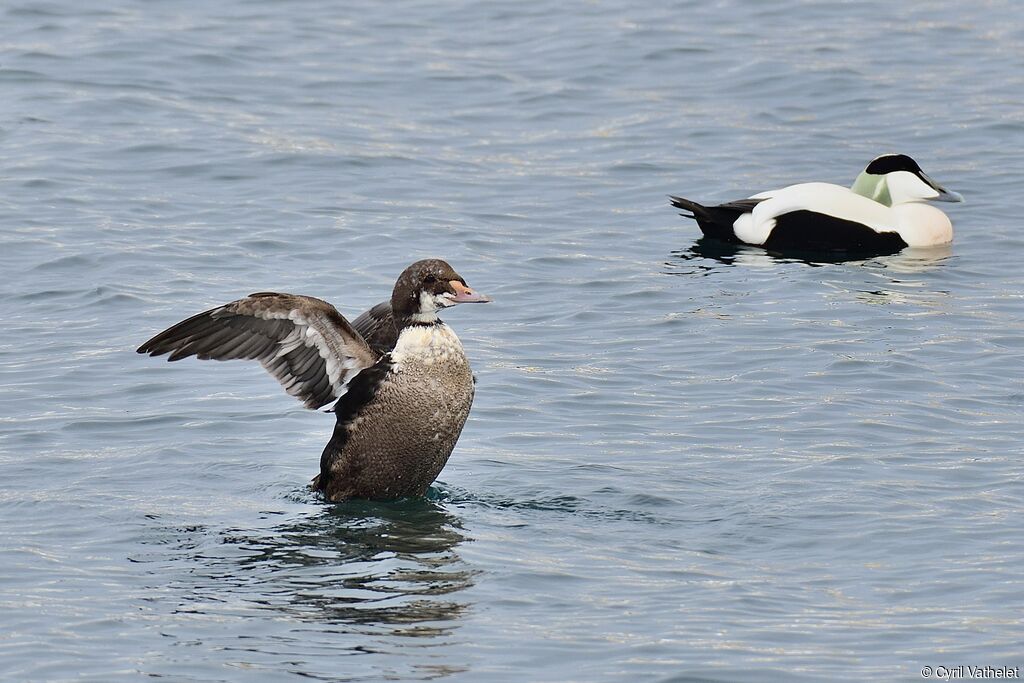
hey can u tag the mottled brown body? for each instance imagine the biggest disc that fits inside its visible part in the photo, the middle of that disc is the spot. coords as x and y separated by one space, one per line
399 379
399 441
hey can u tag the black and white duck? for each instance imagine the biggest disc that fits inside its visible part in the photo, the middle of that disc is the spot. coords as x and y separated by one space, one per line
884 211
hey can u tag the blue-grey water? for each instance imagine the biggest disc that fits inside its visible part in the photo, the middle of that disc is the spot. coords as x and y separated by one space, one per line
684 463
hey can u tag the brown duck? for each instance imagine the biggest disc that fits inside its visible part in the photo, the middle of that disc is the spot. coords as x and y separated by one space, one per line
398 377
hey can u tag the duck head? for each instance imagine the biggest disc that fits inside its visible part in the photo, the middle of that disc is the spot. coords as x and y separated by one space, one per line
896 179
426 287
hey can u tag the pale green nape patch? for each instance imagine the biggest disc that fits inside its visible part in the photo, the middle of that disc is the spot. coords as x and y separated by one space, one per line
873 187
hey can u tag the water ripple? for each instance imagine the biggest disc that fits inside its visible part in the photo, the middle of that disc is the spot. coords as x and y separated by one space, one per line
686 461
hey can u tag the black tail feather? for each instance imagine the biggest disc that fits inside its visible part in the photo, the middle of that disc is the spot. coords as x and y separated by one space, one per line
715 221
696 210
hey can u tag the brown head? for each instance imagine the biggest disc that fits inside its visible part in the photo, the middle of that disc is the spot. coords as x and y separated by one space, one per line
427 286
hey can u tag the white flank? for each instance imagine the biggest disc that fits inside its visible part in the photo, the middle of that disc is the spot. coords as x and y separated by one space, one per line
824 198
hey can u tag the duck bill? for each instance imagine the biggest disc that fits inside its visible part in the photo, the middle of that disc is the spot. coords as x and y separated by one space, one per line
465 295
948 195
944 194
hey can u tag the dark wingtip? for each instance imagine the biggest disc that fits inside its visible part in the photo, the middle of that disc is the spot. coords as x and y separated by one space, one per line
150 346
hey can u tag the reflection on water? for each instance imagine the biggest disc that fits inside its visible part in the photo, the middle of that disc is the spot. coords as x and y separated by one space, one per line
917 260
707 254
366 563
381 569
910 277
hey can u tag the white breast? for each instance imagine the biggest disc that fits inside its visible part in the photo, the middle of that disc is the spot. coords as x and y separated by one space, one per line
427 344
921 225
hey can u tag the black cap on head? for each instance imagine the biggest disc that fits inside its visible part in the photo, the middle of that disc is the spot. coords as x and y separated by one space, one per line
890 163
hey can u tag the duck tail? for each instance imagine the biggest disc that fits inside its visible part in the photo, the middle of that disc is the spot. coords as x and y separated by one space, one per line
697 211
712 221
716 221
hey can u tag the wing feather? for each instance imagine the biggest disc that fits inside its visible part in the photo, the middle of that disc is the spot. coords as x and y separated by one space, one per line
377 327
303 342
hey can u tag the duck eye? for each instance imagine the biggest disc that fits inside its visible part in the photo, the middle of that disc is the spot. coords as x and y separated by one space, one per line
430 279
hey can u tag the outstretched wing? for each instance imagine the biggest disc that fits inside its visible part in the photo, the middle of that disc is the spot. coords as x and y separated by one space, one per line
305 343
377 327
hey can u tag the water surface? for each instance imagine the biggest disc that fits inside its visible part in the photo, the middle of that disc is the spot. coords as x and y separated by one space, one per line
685 463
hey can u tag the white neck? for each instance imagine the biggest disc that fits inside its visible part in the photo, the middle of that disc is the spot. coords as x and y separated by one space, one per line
430 304
905 186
